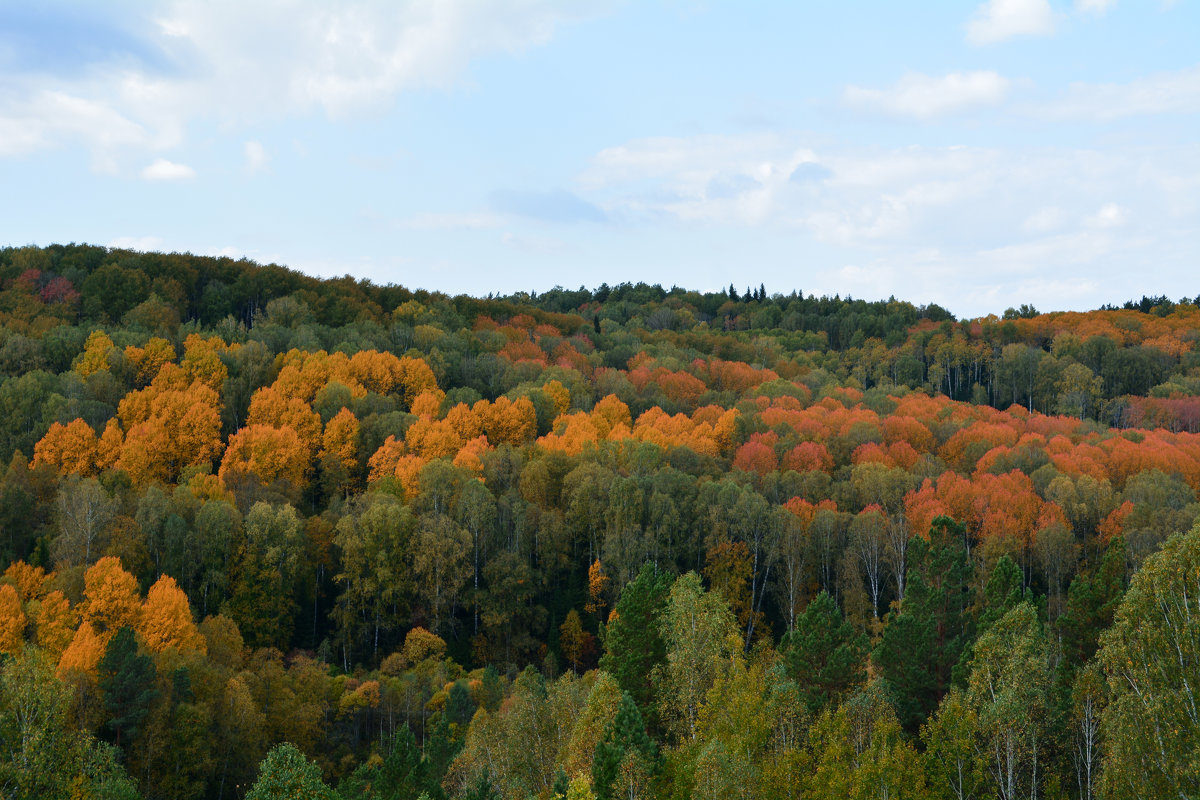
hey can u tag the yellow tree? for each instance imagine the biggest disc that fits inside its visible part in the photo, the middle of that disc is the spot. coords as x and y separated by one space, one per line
12 620
84 652
270 407
150 359
94 357
267 453
30 582
70 448
111 599
168 426
340 439
55 624
166 619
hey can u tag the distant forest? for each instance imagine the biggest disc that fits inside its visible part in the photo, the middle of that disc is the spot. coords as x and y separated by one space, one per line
264 535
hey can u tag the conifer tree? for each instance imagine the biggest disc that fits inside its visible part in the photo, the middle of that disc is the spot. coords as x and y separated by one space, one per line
127 679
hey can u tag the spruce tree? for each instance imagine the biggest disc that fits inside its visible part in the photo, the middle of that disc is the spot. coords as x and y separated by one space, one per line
824 654
626 754
633 645
127 680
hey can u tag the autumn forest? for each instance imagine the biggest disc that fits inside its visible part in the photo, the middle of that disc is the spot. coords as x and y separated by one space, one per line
264 535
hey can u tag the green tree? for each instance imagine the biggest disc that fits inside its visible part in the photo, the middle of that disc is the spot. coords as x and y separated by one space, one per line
859 752
633 642
925 638
1151 660
373 539
953 760
285 774
266 576
824 654
402 773
702 642
626 758
1092 601
127 679
43 755
1009 692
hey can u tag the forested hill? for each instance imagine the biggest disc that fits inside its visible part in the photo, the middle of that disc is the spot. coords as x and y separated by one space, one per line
615 541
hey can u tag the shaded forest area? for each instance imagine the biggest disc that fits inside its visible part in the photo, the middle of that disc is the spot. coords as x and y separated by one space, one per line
266 531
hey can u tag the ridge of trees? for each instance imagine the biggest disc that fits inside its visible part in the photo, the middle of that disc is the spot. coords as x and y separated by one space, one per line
629 540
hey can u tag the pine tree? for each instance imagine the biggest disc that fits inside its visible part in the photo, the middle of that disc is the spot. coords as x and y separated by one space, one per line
127 680
824 654
626 756
633 644
925 638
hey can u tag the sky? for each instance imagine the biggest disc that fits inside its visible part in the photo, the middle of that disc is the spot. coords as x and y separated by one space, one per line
978 155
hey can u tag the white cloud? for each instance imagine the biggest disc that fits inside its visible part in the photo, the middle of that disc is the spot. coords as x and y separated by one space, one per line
256 156
926 96
1162 93
1110 215
997 20
928 223
1094 6
263 60
164 170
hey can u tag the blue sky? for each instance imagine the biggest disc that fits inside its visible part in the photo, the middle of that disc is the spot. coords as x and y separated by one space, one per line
975 154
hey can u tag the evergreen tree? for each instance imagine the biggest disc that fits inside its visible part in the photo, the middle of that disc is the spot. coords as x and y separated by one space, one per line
402 773
127 679
925 638
824 654
632 641
626 757
1092 601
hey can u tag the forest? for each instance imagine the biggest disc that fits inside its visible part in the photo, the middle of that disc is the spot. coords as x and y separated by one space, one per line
264 535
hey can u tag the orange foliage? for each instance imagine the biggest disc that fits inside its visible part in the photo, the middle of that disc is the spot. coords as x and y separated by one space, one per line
506 421
910 430
1114 524
30 582
166 619
150 359
108 447
755 456
340 439
470 456
55 624
268 453
110 598
384 460
168 426
808 456
71 448
84 652
12 620
269 407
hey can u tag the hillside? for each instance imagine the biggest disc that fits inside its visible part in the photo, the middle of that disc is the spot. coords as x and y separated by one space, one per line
627 539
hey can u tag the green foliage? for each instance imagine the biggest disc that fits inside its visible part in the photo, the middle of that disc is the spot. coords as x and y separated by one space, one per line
924 640
785 403
824 654
1151 660
286 774
633 644
626 757
127 679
